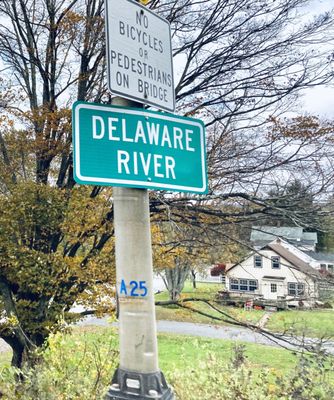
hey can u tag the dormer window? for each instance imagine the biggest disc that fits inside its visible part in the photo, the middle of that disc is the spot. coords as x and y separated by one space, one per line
257 261
275 262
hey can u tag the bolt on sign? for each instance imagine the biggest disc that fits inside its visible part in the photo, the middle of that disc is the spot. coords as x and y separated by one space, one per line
120 146
139 54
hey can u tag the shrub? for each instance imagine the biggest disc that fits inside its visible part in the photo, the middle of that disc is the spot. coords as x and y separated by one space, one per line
218 269
73 368
80 367
214 379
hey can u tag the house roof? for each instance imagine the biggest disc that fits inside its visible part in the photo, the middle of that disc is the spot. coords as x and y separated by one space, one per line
293 233
293 259
300 244
310 236
326 257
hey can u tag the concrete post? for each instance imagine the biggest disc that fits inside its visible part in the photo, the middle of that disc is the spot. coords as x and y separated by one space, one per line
137 325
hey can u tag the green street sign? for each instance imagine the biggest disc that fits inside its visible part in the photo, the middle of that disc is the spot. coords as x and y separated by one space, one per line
119 146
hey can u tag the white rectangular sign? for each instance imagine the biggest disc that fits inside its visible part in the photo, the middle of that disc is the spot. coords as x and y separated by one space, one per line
139 54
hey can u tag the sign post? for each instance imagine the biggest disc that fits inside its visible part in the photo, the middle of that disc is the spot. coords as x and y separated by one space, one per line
138 375
134 150
140 69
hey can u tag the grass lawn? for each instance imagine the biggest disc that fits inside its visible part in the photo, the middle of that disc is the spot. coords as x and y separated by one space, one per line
176 351
205 291
313 323
80 365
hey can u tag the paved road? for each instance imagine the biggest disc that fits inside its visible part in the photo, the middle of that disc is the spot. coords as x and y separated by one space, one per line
210 331
221 332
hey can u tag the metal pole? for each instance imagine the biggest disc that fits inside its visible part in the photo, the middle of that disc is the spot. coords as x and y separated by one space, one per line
138 375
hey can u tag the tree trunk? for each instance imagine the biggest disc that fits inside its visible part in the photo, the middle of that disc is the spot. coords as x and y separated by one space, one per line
23 347
17 359
174 280
193 278
22 354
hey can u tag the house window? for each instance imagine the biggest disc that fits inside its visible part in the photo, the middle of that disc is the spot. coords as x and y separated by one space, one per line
252 284
243 285
296 289
330 268
323 267
234 284
257 261
273 287
275 262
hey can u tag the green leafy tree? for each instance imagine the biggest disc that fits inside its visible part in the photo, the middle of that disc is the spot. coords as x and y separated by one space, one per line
55 238
298 203
50 255
326 234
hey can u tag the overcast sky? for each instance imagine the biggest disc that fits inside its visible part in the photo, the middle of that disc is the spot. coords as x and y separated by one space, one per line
319 101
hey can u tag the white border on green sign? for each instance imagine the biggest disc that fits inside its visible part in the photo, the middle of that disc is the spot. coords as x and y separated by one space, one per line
94 180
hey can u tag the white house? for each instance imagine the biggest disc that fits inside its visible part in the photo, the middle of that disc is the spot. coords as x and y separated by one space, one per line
275 272
300 243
